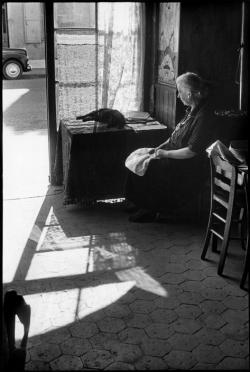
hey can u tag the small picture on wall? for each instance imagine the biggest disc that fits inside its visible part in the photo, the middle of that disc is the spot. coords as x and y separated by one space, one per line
168 42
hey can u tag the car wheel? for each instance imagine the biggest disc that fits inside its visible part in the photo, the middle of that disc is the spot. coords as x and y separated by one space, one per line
12 70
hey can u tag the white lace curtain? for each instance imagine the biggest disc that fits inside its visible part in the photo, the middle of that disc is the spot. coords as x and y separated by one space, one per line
121 54
99 62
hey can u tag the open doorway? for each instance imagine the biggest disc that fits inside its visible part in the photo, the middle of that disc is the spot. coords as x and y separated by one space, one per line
25 133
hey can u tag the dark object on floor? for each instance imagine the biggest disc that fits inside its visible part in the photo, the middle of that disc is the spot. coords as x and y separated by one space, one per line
143 215
15 304
113 118
229 205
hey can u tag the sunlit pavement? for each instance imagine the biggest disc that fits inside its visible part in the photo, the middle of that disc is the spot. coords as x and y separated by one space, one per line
109 294
25 164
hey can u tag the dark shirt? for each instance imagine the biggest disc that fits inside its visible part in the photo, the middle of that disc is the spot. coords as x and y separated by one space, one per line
197 130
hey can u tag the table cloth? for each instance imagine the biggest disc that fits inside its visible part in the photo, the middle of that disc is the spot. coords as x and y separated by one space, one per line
90 158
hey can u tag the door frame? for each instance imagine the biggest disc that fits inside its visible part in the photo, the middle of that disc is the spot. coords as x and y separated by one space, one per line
50 85
5 40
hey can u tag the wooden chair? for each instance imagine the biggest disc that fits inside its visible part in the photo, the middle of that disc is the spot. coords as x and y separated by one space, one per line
14 304
247 256
228 205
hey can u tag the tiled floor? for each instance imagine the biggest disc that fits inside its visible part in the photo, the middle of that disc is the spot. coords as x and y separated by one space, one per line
109 294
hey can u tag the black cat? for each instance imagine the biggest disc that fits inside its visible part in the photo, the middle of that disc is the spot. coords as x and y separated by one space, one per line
113 118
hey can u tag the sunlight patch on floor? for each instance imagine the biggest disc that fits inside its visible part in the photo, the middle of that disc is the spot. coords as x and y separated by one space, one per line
53 310
56 264
143 280
18 218
10 96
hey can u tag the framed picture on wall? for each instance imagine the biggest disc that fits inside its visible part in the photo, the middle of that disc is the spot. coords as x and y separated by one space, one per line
169 17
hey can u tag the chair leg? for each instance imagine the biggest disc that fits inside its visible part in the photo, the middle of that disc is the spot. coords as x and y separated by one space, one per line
246 268
247 255
224 247
241 228
208 234
215 244
206 243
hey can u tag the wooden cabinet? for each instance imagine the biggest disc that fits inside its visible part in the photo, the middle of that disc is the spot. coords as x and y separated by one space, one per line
204 38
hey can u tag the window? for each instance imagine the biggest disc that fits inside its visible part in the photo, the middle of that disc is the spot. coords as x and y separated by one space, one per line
99 49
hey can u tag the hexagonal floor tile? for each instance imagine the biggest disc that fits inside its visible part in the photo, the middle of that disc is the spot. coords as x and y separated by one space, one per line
187 326
208 354
163 316
132 335
194 264
192 286
170 302
192 298
213 321
144 295
160 330
84 329
236 303
210 306
214 282
56 336
99 359
139 320
67 363
233 348
127 353
120 366
176 268
188 311
208 336
172 278
37 365
194 275
75 346
204 367
142 306
117 311
214 293
232 316
183 342
236 364
45 352
155 347
104 341
151 363
234 290
178 359
236 331
112 325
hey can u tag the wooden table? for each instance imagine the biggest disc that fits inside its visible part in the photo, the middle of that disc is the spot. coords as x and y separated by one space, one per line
90 160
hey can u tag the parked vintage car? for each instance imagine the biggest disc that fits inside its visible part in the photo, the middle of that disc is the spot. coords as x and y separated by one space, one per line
15 61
